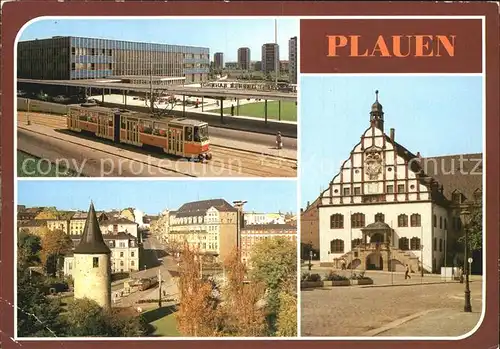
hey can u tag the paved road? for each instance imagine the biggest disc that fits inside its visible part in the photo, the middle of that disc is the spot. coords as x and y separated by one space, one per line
88 162
353 311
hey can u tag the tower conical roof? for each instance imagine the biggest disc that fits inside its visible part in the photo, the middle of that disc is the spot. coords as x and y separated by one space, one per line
92 241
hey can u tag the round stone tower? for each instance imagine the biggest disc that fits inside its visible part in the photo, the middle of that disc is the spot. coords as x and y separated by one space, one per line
92 264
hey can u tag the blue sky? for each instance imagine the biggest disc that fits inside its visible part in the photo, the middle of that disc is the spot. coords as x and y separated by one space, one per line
155 196
220 35
433 115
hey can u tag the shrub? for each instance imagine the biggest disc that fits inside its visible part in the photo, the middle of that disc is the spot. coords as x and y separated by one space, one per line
360 276
332 276
310 277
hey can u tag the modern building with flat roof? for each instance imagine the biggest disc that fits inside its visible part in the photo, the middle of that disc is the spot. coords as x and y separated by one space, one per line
244 58
270 57
219 60
72 58
292 58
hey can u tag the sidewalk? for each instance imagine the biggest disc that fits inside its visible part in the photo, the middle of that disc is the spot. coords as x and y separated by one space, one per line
433 323
290 154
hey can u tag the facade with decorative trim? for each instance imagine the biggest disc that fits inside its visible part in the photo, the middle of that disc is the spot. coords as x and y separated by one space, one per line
388 208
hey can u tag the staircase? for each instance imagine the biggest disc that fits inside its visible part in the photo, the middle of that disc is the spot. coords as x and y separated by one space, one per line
362 251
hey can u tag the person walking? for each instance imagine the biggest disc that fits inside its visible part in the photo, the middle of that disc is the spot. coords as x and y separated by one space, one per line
232 109
407 272
279 143
461 275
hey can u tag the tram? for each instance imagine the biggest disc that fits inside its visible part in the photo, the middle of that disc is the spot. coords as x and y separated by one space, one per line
182 137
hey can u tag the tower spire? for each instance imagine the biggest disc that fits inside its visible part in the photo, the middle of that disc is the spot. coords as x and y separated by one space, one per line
92 241
377 114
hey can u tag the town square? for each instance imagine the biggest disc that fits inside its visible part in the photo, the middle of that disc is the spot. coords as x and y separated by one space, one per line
392 245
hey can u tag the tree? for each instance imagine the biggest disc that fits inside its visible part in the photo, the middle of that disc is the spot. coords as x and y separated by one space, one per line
87 319
274 263
286 323
37 315
474 229
240 310
28 248
55 243
196 315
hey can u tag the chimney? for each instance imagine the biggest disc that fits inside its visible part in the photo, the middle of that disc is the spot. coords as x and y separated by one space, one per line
392 135
418 155
301 210
308 204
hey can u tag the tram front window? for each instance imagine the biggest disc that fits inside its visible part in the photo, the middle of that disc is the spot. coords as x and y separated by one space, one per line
201 133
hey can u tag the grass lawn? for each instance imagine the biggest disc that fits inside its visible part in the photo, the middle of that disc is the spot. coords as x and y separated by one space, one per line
164 322
31 166
288 110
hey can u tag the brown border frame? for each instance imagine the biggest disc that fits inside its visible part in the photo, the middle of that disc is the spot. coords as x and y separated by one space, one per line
15 14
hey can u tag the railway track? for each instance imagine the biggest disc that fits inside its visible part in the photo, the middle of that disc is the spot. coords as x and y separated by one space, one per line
240 162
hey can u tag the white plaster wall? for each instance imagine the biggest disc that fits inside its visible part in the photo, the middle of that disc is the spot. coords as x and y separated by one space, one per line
391 212
90 282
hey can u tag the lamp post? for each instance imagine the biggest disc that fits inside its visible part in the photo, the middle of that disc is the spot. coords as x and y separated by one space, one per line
467 307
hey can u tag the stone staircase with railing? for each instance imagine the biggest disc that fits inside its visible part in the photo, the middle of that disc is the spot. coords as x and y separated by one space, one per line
362 251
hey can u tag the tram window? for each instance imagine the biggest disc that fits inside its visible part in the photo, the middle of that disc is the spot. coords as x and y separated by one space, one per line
159 129
123 123
146 127
110 121
188 137
201 133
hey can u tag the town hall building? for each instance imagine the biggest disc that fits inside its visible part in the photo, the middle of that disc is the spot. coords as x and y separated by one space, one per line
388 208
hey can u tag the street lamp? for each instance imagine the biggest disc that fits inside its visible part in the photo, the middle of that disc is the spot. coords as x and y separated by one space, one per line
467 307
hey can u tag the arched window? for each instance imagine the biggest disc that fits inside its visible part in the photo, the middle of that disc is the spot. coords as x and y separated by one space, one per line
445 224
379 217
357 220
402 220
415 244
337 246
434 221
440 222
440 245
403 244
337 221
415 220
355 243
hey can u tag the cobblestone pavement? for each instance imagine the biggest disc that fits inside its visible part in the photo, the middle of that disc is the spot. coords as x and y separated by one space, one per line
355 310
437 324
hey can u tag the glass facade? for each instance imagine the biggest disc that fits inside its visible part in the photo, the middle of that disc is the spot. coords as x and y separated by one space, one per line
44 59
89 58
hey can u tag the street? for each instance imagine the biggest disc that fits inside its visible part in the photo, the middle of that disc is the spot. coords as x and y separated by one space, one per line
153 260
416 308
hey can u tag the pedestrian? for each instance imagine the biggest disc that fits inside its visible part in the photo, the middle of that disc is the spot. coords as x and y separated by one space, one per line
407 272
461 275
232 109
279 143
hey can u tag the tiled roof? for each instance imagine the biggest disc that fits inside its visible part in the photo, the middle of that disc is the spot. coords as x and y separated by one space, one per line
462 172
199 208
92 241
269 227
117 221
119 236
32 223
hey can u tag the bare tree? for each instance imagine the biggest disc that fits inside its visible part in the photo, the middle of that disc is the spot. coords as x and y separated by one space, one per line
241 311
197 312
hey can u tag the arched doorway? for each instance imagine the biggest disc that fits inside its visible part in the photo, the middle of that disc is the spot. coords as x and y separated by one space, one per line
374 261
377 237
355 263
